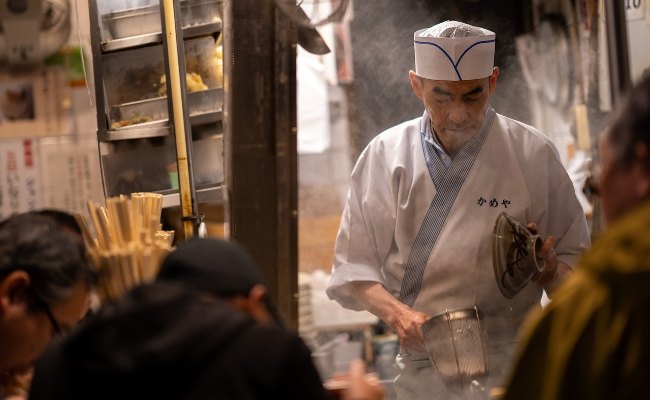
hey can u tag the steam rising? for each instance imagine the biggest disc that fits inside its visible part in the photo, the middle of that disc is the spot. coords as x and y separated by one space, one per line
382 41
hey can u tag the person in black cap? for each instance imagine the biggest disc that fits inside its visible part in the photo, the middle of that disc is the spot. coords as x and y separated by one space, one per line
204 329
234 278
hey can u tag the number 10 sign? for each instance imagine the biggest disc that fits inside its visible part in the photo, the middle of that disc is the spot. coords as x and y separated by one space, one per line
634 9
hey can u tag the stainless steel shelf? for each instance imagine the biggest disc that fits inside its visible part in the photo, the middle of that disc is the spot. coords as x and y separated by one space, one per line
206 118
213 194
161 129
156 38
156 129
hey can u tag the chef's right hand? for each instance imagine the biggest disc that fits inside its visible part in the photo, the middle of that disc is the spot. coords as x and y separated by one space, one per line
404 320
407 325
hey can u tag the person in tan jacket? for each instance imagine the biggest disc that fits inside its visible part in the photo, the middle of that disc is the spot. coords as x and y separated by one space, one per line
591 341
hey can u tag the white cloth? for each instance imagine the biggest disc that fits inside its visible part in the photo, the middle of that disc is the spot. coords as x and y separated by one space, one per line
517 171
313 104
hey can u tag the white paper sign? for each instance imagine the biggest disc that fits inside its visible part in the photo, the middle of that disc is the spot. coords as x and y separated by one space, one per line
19 178
72 176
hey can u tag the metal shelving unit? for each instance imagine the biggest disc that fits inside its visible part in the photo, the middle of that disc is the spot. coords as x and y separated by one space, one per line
136 141
257 156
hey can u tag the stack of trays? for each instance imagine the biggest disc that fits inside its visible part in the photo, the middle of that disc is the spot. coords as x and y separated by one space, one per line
306 327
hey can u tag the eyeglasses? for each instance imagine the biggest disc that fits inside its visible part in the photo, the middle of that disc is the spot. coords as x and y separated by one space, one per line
56 327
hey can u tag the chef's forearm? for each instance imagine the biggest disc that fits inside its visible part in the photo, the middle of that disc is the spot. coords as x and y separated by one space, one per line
378 301
403 320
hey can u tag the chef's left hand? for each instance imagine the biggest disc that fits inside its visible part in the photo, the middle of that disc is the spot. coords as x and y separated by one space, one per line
554 270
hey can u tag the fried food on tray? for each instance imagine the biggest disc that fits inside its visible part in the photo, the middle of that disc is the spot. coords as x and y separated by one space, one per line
194 83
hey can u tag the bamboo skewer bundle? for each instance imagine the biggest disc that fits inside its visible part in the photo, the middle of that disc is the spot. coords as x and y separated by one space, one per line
128 244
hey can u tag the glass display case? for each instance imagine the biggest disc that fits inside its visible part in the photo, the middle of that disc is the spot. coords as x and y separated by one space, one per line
144 167
137 148
135 90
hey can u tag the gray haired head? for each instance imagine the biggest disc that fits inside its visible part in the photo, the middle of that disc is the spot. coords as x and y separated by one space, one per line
52 256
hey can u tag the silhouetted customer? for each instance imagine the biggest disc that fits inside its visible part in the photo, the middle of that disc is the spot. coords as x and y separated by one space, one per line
592 341
204 330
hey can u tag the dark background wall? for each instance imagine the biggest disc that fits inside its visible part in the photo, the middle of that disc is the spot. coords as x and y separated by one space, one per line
382 43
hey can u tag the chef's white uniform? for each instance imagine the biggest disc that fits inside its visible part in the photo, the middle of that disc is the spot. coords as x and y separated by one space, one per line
411 208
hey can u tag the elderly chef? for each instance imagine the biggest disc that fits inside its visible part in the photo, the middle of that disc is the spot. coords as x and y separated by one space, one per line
415 236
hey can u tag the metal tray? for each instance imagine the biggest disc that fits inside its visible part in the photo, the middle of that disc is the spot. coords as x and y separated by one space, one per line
154 111
146 20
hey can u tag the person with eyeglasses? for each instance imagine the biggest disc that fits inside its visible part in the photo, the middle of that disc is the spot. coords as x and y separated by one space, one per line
45 281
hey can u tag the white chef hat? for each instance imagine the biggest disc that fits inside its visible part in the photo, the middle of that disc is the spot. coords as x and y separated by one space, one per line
454 51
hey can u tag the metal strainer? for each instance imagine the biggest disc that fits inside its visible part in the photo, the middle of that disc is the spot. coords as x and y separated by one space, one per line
456 342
